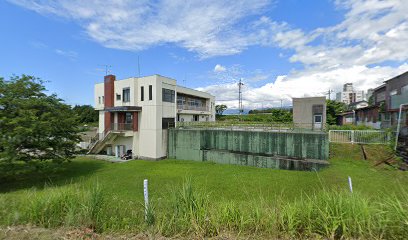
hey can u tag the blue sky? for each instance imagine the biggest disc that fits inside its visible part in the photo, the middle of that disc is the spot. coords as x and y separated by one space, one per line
281 49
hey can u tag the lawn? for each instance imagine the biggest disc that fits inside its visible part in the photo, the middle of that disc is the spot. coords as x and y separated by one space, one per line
230 192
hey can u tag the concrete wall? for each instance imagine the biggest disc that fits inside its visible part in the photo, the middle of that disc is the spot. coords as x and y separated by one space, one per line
288 150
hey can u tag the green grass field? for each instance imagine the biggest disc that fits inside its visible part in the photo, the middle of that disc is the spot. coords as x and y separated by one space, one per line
230 198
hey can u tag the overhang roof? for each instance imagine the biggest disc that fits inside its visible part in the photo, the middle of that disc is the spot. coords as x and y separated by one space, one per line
124 109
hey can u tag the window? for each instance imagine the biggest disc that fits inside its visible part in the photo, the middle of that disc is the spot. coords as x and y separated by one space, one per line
142 93
393 92
196 118
167 122
168 95
404 89
150 92
99 100
126 94
128 117
118 97
103 99
181 101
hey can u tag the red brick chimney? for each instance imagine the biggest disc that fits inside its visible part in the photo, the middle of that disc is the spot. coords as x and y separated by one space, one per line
109 90
109 94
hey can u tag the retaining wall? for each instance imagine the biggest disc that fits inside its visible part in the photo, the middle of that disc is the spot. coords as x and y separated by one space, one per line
280 150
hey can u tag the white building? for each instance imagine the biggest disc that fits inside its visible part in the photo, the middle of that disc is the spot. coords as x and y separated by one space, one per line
134 114
349 95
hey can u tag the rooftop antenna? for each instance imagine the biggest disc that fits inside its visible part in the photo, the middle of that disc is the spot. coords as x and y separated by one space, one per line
107 68
240 107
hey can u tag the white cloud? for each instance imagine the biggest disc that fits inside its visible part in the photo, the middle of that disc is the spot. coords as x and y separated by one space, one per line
302 84
69 54
356 50
219 68
372 35
211 29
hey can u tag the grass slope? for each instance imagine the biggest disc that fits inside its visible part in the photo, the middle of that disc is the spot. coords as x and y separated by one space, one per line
233 191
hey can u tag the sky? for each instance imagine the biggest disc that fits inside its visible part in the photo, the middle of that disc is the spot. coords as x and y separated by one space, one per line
279 48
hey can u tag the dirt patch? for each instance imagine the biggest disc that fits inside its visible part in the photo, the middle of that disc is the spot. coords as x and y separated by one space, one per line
32 232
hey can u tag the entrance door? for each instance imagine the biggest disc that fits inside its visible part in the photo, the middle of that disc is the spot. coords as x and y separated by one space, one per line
120 150
317 122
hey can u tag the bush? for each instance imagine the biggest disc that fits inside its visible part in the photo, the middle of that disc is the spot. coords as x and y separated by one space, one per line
350 127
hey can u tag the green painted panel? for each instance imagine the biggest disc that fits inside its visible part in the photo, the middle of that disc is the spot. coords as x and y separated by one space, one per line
284 150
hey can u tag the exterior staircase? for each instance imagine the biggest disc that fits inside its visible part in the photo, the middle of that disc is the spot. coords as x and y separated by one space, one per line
99 141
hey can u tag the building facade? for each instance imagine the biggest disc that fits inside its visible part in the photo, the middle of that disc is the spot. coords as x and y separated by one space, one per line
309 113
349 95
135 113
384 104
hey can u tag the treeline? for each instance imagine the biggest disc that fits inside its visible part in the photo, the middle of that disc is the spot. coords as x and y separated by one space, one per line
267 115
86 114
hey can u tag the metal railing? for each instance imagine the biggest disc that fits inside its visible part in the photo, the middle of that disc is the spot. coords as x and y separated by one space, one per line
251 126
121 127
117 127
195 108
359 136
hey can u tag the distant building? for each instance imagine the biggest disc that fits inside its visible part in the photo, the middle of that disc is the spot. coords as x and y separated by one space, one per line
357 105
369 94
383 108
309 113
349 95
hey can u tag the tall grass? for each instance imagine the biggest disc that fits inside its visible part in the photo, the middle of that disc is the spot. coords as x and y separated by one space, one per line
188 211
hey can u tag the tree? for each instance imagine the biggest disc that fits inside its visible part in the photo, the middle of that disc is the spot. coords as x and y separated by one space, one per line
34 126
86 113
332 109
219 109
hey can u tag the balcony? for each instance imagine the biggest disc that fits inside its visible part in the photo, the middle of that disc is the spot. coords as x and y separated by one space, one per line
397 100
119 127
193 108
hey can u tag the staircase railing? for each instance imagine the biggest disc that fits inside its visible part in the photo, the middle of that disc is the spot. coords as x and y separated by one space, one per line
114 127
98 137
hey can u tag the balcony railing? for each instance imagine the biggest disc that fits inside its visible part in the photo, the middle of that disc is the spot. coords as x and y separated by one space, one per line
194 108
397 100
122 127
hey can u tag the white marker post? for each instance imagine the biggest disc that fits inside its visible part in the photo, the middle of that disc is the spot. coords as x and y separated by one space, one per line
350 184
146 196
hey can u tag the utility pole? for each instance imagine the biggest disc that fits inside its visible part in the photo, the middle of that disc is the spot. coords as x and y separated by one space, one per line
329 93
240 84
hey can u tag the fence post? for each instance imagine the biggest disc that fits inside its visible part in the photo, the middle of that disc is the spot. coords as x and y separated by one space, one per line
352 136
146 197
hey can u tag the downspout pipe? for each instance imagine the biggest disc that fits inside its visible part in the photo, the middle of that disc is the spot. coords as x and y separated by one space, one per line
398 125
